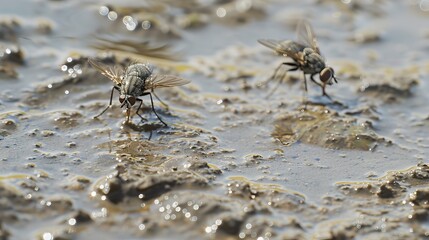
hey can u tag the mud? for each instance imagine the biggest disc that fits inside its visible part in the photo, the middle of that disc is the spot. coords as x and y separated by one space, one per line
243 156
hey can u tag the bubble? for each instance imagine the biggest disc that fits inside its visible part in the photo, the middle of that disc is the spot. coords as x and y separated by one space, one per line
64 68
72 221
243 5
77 67
112 16
103 10
146 24
242 235
424 5
141 196
221 12
66 92
8 51
49 85
47 236
196 207
142 227
208 229
130 23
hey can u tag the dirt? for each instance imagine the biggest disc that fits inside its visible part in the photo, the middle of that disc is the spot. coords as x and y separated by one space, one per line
243 156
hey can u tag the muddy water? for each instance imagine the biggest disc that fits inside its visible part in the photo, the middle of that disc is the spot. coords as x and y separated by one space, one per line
233 163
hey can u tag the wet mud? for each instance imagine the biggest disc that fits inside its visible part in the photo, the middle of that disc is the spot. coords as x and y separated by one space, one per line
243 156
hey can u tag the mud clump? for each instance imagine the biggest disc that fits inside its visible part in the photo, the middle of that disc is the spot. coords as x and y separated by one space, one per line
393 204
320 126
390 86
146 174
4 234
151 186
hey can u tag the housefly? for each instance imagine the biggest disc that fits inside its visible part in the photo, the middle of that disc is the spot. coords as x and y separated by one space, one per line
137 80
306 57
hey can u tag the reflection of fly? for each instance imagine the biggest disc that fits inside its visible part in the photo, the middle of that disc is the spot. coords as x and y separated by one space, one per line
306 56
135 81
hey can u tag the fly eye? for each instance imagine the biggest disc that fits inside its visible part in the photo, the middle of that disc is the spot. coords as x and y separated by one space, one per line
121 99
132 100
326 75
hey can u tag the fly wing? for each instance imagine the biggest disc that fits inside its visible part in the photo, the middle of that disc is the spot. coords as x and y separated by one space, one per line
286 48
113 74
162 81
305 35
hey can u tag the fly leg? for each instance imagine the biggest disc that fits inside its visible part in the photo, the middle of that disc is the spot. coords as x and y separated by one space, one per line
110 103
138 109
323 86
313 80
162 102
305 97
295 67
153 108
324 92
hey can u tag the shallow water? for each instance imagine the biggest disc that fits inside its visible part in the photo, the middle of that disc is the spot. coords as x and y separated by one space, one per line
232 163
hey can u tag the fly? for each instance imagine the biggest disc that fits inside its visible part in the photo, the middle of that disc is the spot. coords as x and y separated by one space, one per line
306 57
137 80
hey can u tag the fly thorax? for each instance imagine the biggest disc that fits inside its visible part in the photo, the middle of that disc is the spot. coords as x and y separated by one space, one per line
132 85
307 51
314 63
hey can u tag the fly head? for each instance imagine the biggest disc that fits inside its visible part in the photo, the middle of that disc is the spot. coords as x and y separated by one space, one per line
327 75
127 101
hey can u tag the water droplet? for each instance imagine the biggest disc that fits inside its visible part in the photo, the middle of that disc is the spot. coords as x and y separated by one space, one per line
130 23
48 236
146 25
424 5
112 15
72 221
221 12
103 10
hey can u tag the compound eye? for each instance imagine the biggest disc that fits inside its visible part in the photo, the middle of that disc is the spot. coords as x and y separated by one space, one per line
326 74
131 100
121 98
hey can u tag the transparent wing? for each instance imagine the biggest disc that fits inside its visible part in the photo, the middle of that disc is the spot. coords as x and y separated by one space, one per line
113 74
162 81
305 35
287 48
